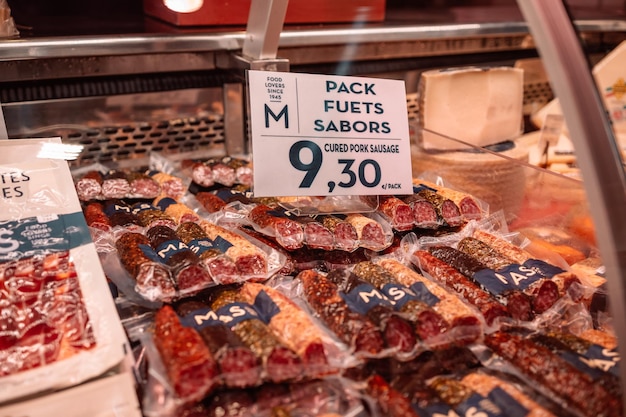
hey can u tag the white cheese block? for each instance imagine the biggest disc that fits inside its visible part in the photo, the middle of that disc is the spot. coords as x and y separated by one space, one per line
479 106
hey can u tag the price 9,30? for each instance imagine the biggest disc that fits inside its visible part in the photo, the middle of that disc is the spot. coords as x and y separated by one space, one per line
366 169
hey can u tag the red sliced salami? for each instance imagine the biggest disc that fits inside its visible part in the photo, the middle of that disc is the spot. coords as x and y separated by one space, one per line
398 212
424 213
453 279
287 232
239 367
115 185
344 233
191 368
89 186
142 186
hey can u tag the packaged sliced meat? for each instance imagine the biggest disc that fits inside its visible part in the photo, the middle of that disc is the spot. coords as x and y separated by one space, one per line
344 233
275 222
292 324
289 266
558 377
567 281
150 216
469 206
398 212
223 173
424 213
427 322
280 363
89 186
211 202
464 399
459 283
181 213
446 209
187 270
502 246
465 327
153 280
423 398
391 402
238 365
243 170
354 329
121 214
370 232
171 186
251 261
96 217
598 362
191 368
487 255
201 173
222 268
518 303
115 185
504 275
365 299
316 235
42 315
142 186
514 398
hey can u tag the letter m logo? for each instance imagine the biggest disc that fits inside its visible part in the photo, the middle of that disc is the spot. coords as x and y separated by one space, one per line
281 114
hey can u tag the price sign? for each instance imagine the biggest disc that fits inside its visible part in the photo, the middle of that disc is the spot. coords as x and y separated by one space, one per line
322 135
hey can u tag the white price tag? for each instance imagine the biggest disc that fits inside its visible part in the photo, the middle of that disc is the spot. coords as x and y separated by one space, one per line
320 135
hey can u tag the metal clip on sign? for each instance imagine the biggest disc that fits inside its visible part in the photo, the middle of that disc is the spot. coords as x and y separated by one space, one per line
260 46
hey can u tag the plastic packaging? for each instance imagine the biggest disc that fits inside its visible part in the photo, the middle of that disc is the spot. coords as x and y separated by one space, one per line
60 326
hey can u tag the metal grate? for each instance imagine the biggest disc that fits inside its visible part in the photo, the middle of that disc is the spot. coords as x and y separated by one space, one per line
133 141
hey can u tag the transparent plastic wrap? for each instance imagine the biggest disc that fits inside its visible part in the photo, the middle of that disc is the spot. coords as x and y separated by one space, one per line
580 383
168 246
489 268
60 326
328 232
387 320
230 343
328 397
100 182
160 264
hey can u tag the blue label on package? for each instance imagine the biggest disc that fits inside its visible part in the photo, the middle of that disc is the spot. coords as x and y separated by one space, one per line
112 208
420 290
477 405
150 253
266 308
364 297
169 248
139 207
35 235
221 243
236 313
510 406
543 268
596 362
165 203
510 278
201 318
435 410
199 246
399 295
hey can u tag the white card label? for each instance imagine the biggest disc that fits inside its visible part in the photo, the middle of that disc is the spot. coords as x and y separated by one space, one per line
322 135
